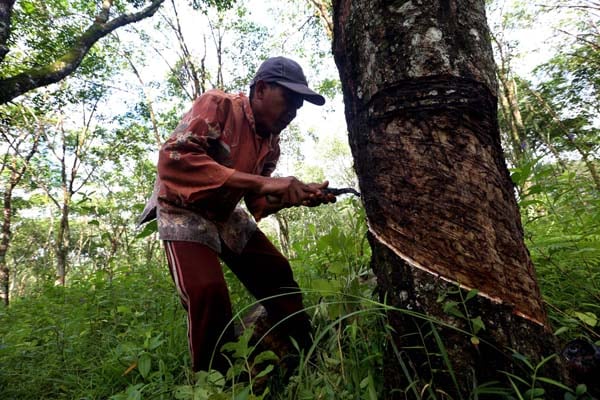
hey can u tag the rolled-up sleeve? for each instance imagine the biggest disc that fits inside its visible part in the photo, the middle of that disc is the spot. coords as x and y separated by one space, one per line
192 163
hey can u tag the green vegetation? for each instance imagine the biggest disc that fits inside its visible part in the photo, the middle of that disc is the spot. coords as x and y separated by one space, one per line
121 333
126 336
77 166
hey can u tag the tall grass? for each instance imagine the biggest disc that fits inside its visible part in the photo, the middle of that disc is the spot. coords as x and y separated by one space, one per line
125 337
91 340
561 218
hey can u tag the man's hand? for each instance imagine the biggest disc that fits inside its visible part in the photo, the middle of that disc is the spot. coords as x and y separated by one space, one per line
291 192
321 197
280 192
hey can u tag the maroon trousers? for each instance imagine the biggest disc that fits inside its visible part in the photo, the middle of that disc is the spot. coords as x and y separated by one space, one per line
199 279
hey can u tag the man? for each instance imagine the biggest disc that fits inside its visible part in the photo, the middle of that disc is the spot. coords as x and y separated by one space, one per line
225 149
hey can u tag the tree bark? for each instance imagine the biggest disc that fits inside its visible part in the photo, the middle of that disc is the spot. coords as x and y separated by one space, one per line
283 233
16 175
63 241
512 113
4 242
509 103
421 105
5 13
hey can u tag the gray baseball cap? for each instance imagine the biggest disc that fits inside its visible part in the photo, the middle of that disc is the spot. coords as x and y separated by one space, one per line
287 73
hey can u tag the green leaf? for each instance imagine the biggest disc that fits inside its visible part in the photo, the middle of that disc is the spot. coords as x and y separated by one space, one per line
144 364
363 384
516 388
477 324
371 388
529 202
216 379
265 356
201 394
338 268
324 285
123 309
545 360
451 308
472 293
265 371
492 387
553 383
517 177
150 228
134 393
581 389
184 392
534 393
444 353
523 359
243 394
535 189
588 318
241 348
561 330
28 8
155 341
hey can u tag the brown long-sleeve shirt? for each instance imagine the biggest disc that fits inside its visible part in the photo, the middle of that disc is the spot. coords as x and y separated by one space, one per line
213 140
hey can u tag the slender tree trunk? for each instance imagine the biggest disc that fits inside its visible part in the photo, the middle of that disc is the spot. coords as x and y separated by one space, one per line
283 233
63 234
512 113
148 97
4 242
196 77
585 155
69 174
555 153
509 103
16 174
63 244
421 104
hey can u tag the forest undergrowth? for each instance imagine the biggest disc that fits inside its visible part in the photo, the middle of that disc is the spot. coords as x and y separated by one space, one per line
79 167
122 335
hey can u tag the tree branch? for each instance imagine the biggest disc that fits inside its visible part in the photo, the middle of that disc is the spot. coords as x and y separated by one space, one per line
592 6
148 97
580 38
323 8
41 76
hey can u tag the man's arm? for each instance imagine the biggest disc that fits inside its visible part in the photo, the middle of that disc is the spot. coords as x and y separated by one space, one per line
289 190
186 166
269 195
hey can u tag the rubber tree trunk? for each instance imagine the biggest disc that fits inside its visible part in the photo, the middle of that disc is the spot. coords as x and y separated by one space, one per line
420 99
